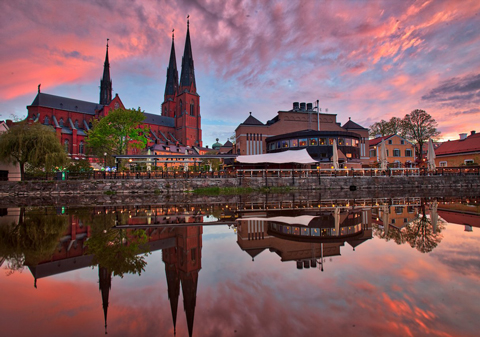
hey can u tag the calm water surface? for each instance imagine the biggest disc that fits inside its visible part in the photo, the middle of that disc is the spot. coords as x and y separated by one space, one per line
376 267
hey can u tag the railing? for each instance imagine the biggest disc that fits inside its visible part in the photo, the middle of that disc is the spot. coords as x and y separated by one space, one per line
259 173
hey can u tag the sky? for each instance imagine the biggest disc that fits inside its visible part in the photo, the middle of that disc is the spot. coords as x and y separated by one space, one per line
364 59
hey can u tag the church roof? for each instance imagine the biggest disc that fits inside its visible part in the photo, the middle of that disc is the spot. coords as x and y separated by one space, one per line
159 120
64 103
252 121
352 125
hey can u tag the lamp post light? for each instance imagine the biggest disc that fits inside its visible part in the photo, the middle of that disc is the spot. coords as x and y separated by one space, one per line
104 165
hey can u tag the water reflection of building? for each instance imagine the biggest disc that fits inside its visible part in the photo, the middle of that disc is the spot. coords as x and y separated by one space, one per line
304 239
181 251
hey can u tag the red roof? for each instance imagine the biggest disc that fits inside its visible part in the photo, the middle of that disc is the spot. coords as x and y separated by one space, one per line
469 144
379 140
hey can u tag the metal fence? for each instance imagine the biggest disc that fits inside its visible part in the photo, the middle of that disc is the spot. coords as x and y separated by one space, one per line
270 173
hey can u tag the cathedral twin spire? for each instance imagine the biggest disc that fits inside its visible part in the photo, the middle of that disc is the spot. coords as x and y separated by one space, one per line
106 82
187 77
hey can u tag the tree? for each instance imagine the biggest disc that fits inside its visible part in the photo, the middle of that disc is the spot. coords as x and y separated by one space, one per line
33 239
32 144
384 128
419 127
116 132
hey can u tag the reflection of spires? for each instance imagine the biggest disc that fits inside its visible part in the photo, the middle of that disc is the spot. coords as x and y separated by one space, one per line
173 284
189 292
105 283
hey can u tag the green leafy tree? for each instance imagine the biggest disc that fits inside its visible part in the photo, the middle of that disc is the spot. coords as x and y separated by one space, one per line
35 145
120 251
419 127
32 239
117 132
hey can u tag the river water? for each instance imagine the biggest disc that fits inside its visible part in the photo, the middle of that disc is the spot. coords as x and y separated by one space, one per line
274 266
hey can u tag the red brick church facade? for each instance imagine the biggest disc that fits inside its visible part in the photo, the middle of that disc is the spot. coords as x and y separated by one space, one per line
179 123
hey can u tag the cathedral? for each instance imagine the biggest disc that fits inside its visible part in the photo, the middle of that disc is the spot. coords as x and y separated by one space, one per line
178 125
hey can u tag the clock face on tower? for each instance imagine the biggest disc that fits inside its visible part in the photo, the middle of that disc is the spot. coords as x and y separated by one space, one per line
117 105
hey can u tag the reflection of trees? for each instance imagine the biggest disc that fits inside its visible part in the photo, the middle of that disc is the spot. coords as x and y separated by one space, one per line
119 251
419 233
33 239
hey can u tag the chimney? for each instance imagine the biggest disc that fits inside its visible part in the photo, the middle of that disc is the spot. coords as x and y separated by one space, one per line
295 106
463 136
303 106
472 132
309 106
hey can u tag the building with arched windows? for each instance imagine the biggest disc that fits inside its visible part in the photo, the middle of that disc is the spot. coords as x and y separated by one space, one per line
179 122
303 127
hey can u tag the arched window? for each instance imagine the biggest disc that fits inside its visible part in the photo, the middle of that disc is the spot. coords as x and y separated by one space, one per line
76 124
80 147
60 122
66 146
181 107
89 125
192 108
46 121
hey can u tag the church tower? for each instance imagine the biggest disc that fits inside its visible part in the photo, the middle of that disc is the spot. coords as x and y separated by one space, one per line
171 88
187 120
106 82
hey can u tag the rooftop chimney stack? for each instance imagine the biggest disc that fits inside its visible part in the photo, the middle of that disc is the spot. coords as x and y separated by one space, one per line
296 106
472 132
463 136
309 106
303 106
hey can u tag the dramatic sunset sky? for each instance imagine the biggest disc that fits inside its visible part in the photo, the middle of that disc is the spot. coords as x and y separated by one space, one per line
368 60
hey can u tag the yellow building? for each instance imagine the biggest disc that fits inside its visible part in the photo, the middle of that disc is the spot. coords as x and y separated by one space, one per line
400 152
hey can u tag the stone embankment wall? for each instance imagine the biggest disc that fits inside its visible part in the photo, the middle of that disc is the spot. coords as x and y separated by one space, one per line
160 186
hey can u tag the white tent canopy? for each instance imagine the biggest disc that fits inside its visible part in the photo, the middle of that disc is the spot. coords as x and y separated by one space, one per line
302 220
289 156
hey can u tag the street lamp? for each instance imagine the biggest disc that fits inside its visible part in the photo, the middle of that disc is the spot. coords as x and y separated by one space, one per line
104 165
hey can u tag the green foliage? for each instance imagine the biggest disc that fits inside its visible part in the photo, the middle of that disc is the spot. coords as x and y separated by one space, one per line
80 166
35 145
116 132
33 239
120 251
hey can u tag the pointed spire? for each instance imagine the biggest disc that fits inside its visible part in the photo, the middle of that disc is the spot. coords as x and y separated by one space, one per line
172 73
187 78
105 283
106 82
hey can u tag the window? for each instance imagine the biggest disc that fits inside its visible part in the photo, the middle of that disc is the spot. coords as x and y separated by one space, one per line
390 142
373 153
284 143
341 141
192 108
387 153
396 152
80 147
330 141
271 146
60 122
443 164
76 124
408 152
322 141
293 142
313 141
279 145
303 142
66 146
348 141
398 209
468 161
46 121
402 142
181 107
